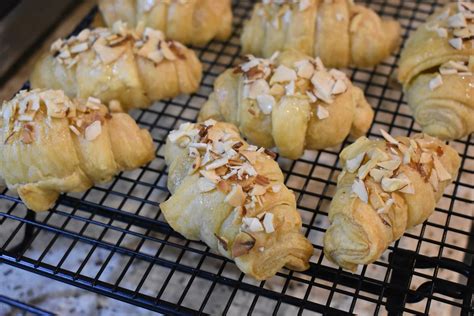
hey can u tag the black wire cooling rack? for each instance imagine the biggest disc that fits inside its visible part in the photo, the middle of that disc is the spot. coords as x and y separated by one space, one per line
113 239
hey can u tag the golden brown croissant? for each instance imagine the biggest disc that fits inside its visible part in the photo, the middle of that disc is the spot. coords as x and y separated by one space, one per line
134 67
436 70
231 196
340 32
50 144
187 21
291 101
386 187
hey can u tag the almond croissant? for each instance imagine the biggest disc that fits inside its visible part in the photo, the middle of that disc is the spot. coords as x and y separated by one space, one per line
436 70
50 144
231 196
291 101
340 32
134 67
189 21
386 187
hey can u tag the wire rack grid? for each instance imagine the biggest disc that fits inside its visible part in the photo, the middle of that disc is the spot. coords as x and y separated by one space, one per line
113 239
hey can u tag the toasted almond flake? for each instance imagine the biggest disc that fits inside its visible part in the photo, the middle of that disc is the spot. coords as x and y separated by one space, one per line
389 138
74 130
457 20
167 53
108 54
242 245
79 48
339 87
447 71
305 68
365 168
353 164
425 158
393 184
462 33
456 43
323 83
258 87
236 196
217 163
258 190
311 96
461 66
358 187
210 122
93 131
379 174
434 181
443 174
252 224
268 223
442 32
276 188
390 164
337 74
290 88
277 90
435 82
205 185
283 74
322 112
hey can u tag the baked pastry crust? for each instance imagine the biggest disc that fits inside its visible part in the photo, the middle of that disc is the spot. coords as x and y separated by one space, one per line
436 70
193 22
134 67
290 101
231 196
309 26
386 187
50 144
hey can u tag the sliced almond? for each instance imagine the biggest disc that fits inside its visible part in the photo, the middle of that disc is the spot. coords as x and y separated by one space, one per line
74 130
365 168
322 113
276 188
442 32
379 174
311 96
277 90
93 131
353 164
358 187
283 74
290 88
393 184
108 54
236 196
443 174
252 224
390 164
258 190
457 20
305 68
268 223
389 138
242 244
339 87
434 181
456 43
217 163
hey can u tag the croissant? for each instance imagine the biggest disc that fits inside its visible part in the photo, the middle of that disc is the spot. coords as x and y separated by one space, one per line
340 32
133 67
231 196
436 68
188 21
50 144
291 101
386 187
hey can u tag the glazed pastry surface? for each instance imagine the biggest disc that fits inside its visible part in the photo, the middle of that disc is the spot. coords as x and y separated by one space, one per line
340 32
386 187
133 68
188 21
50 144
231 195
436 70
290 101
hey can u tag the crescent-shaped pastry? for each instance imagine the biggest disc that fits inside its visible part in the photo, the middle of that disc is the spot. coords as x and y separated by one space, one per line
188 21
50 144
133 67
290 101
386 187
340 32
436 70
231 196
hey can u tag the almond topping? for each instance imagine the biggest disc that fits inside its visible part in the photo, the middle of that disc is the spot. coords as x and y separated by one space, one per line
394 184
93 131
252 224
389 138
456 43
436 82
283 74
322 112
353 164
268 223
236 196
266 103
443 174
358 187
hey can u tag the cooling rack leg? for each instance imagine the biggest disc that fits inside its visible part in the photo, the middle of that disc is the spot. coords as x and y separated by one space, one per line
29 229
399 282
